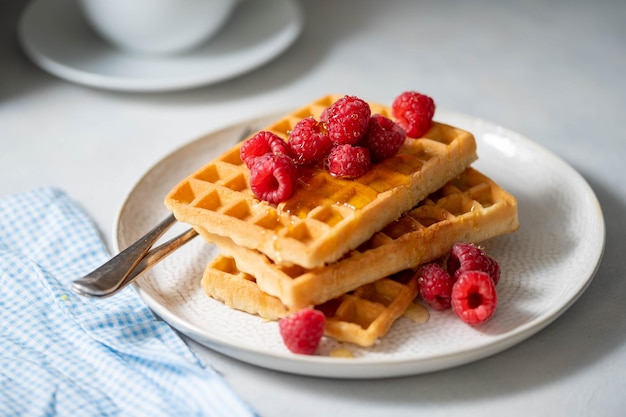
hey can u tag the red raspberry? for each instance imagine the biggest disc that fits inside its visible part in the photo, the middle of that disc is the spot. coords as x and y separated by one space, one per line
383 137
414 112
435 286
302 330
346 120
260 144
474 297
309 141
347 161
273 177
469 257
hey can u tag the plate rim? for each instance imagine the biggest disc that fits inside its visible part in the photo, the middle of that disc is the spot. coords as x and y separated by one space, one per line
369 368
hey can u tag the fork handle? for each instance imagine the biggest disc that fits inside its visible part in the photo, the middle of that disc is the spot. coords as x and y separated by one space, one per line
155 256
108 277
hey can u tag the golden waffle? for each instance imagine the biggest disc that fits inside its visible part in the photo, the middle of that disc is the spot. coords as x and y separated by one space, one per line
326 216
470 208
360 317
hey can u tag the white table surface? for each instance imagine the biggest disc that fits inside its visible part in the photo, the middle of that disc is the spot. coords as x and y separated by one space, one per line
552 71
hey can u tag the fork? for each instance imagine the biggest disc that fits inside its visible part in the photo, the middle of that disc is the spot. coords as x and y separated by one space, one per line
121 270
126 266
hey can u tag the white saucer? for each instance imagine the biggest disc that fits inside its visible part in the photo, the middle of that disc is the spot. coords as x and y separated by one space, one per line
55 36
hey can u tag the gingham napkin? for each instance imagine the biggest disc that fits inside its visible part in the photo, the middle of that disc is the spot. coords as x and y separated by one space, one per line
65 355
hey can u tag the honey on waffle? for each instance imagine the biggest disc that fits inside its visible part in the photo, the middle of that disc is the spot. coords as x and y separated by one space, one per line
327 216
469 208
360 317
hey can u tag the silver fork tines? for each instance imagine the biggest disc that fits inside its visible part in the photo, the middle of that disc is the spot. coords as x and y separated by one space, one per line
127 265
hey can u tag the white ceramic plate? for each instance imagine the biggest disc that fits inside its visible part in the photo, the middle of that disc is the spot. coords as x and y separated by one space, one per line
546 266
55 36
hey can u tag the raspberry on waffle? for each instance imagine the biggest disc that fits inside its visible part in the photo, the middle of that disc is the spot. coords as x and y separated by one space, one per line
469 208
326 216
360 317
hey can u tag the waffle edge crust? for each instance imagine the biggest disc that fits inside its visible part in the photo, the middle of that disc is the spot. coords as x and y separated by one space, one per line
360 317
469 208
327 216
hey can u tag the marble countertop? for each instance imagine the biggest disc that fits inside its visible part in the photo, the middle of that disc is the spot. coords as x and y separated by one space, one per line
552 71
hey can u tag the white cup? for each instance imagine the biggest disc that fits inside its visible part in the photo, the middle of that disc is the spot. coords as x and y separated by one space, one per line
157 26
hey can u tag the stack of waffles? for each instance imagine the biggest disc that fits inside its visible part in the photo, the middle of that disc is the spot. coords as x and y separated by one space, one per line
345 246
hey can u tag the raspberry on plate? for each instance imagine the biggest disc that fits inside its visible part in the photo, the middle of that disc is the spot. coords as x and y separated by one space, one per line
347 161
260 144
309 141
273 177
414 112
302 331
469 257
474 297
435 286
383 137
347 120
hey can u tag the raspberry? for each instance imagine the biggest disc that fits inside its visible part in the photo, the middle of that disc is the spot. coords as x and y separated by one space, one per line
273 177
435 286
347 161
347 120
383 137
468 257
260 144
309 141
302 331
474 297
414 112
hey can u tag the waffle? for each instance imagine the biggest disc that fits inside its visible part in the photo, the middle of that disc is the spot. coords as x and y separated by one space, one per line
360 317
470 208
327 216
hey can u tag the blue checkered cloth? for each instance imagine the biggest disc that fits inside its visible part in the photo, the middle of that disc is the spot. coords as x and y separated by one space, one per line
66 355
